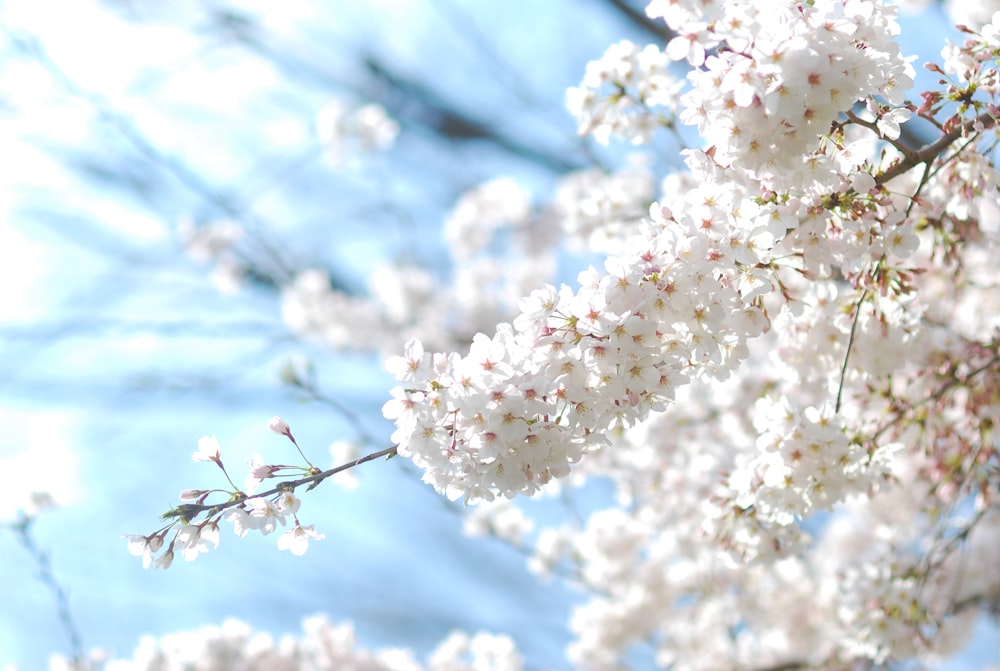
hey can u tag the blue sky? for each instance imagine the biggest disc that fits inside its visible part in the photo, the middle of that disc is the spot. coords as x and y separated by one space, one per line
118 352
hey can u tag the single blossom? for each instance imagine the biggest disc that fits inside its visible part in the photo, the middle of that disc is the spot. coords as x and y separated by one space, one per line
296 540
208 450
195 539
243 522
288 503
266 514
279 426
144 546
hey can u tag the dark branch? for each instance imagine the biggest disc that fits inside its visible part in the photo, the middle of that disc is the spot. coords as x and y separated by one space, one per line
931 151
637 17
414 104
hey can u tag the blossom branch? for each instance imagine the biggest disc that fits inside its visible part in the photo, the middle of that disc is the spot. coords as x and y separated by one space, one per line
188 511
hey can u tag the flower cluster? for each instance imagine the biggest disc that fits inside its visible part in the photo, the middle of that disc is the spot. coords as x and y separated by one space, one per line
653 572
321 646
624 92
526 404
477 217
781 75
805 463
601 211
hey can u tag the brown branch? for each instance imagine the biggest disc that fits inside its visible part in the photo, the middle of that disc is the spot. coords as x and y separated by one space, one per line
785 666
929 152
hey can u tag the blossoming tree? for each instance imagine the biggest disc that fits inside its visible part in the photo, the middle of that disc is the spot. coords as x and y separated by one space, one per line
787 367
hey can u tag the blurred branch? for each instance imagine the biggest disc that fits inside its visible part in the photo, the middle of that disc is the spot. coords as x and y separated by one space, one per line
411 102
414 104
22 530
637 17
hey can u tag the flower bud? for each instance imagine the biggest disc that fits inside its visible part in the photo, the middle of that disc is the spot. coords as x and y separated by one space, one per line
279 425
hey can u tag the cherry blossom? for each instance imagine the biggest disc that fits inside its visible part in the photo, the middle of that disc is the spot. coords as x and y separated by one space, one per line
784 370
296 540
208 449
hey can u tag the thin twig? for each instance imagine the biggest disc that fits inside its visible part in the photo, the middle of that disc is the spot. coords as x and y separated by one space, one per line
850 343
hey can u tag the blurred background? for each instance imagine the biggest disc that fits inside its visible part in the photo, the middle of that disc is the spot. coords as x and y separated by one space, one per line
133 137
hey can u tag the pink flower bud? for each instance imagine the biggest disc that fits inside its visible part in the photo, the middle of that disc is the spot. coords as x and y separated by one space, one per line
279 425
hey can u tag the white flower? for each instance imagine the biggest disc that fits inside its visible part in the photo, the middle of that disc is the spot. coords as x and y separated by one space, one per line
210 241
413 366
902 241
196 539
144 546
288 503
375 128
208 449
242 521
368 127
268 515
888 124
296 539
